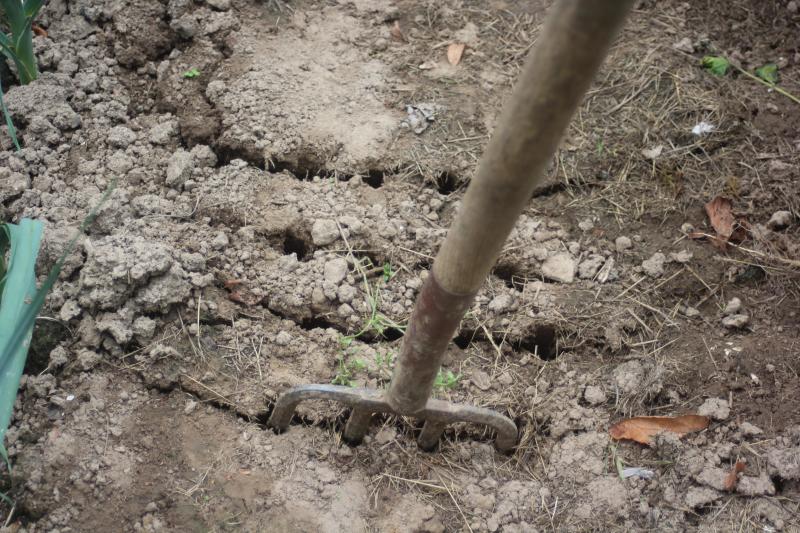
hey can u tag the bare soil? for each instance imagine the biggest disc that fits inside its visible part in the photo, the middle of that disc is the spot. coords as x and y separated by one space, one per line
274 216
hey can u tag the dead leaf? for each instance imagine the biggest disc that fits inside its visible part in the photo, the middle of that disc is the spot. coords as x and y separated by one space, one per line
653 153
397 33
720 214
38 30
454 53
732 478
643 428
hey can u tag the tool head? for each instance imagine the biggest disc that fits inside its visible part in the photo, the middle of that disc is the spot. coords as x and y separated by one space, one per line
364 402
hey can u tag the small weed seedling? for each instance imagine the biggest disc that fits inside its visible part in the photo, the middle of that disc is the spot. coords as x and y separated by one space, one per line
191 73
766 75
446 380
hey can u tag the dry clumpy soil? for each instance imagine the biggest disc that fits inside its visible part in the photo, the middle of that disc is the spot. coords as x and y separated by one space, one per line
274 216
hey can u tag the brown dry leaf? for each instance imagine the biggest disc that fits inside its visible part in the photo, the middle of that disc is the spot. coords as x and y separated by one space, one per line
720 213
454 53
38 30
732 478
643 428
397 33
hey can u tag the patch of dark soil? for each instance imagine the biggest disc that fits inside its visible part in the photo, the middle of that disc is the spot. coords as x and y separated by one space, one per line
295 244
246 152
750 369
142 33
47 334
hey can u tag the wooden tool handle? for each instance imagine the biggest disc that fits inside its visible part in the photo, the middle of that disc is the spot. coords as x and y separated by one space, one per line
573 43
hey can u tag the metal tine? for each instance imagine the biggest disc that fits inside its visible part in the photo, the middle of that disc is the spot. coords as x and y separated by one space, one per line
357 425
429 436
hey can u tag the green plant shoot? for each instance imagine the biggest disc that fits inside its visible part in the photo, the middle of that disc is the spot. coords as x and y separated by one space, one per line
21 302
446 380
17 45
18 15
717 65
18 298
191 73
768 73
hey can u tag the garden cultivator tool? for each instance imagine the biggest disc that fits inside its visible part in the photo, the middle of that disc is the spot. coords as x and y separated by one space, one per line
570 49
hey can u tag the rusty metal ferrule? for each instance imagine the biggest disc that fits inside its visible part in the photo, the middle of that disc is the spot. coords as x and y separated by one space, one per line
433 323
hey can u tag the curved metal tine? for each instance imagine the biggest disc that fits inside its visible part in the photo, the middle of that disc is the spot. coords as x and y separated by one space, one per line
357 425
444 412
370 400
430 435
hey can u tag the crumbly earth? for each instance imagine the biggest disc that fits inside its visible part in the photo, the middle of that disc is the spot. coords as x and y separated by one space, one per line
273 217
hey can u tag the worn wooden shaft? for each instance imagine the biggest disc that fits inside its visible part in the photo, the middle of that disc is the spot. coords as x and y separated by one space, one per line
572 44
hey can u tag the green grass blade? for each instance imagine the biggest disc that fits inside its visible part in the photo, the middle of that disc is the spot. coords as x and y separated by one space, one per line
17 301
31 8
12 131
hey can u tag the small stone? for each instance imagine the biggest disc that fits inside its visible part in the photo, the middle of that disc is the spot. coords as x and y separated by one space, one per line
733 307
505 379
335 270
162 133
588 269
716 408
559 267
144 327
736 321
699 496
749 429
151 507
594 395
220 241
58 357
324 231
345 293
622 243
481 380
204 156
691 312
654 267
120 137
70 310
684 45
88 359
500 303
791 7
283 338
190 407
586 225
756 486
386 435
779 220
686 228
179 168
682 257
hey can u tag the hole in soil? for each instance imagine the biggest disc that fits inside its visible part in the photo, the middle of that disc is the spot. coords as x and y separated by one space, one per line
510 275
316 322
374 178
548 190
226 154
47 334
292 244
464 338
447 183
541 342
783 485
